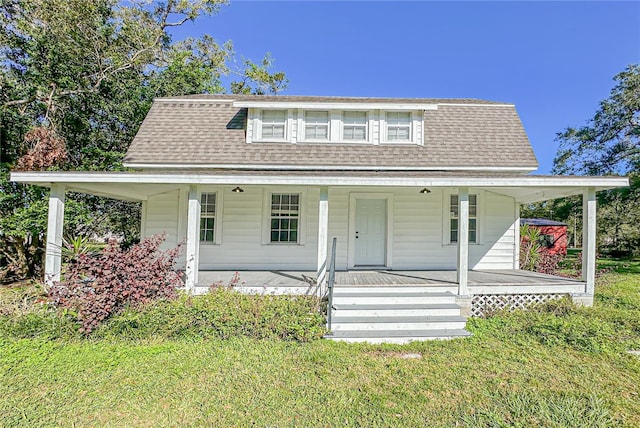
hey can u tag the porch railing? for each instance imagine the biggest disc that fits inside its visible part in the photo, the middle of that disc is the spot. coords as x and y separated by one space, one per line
330 282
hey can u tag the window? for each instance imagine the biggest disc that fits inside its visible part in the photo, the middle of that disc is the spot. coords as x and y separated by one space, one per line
285 213
323 123
207 217
354 126
453 219
274 124
399 126
316 125
546 240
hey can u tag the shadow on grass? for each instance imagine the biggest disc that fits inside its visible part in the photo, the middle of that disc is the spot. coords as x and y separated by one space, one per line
620 265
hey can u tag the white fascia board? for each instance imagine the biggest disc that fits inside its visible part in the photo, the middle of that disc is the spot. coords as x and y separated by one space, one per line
49 177
326 105
166 166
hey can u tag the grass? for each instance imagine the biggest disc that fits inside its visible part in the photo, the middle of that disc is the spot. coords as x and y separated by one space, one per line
558 366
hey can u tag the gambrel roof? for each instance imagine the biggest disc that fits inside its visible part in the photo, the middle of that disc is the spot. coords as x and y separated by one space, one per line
208 131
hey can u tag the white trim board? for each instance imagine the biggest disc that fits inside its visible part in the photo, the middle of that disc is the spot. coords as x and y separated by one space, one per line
47 178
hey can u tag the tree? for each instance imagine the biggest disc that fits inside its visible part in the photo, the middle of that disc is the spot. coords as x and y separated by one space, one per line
84 73
619 217
610 144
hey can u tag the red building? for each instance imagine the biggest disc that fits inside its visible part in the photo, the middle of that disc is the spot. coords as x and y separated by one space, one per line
553 234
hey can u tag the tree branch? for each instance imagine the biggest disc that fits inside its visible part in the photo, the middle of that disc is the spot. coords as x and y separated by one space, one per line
19 102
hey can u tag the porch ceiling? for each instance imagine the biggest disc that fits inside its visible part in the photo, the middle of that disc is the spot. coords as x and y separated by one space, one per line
138 186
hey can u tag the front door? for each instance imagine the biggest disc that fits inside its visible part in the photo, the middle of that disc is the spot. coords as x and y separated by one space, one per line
371 232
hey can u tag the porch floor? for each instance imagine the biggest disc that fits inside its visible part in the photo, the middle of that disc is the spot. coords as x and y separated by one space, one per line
478 280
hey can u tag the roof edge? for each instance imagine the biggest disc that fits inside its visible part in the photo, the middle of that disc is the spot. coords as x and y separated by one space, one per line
252 99
195 177
140 165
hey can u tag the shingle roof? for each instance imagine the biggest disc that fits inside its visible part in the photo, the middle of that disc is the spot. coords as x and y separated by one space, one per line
207 130
541 222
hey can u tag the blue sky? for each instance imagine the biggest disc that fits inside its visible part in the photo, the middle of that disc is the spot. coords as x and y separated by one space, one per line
554 60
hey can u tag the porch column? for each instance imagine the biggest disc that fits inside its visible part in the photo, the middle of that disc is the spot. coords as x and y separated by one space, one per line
589 238
53 251
516 237
463 240
143 220
193 239
323 237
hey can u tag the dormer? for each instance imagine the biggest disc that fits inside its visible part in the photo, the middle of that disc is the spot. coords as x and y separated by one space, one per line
327 122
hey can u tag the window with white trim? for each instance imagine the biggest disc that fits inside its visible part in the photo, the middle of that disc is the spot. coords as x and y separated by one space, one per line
316 125
374 126
273 124
354 126
453 219
285 216
208 217
398 126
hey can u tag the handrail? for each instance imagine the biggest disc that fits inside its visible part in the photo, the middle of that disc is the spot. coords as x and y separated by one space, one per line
331 281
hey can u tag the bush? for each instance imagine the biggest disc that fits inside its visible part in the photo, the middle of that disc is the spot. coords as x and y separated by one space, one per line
549 263
580 332
97 286
25 311
223 313
43 323
557 323
533 256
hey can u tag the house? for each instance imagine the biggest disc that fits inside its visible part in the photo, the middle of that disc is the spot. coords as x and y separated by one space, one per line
420 194
553 234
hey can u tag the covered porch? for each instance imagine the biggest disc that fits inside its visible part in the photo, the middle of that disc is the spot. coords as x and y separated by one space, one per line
464 281
488 290
478 282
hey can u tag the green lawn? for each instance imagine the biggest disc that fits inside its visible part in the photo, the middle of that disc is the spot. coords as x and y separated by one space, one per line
556 367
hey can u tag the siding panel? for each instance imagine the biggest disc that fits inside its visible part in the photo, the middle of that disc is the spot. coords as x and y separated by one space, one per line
242 244
162 217
417 242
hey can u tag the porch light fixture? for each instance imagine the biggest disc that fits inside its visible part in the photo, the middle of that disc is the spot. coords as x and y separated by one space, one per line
237 189
425 191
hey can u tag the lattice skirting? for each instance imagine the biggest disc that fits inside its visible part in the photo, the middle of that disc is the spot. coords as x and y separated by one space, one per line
485 304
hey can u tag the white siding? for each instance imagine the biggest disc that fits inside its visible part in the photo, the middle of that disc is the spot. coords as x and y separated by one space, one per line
497 234
417 230
242 235
162 217
417 241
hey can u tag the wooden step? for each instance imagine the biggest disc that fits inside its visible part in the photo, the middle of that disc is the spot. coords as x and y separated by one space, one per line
408 309
422 323
395 314
396 336
341 298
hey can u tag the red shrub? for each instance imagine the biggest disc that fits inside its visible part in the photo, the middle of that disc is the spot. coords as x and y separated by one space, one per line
549 263
98 285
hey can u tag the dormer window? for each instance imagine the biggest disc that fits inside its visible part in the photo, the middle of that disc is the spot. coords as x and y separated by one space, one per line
323 124
398 126
274 124
316 125
354 126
